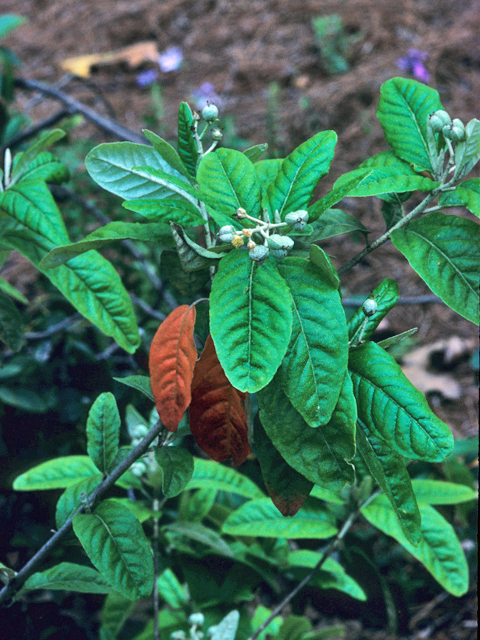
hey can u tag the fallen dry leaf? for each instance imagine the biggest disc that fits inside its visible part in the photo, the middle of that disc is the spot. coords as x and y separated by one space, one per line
134 56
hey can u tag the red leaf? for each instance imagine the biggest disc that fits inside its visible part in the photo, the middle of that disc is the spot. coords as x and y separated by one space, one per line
217 415
172 359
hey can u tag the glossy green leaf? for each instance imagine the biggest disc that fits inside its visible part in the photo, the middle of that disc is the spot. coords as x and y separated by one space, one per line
67 576
325 494
141 383
170 589
215 476
254 153
115 612
467 153
250 320
469 192
47 168
267 170
189 283
286 487
177 469
314 365
112 164
320 259
228 177
338 193
111 232
390 471
385 295
103 431
299 174
187 149
440 550
167 152
71 498
334 222
403 110
260 518
331 576
27 399
55 474
393 409
24 159
439 492
388 161
318 454
443 250
387 180
116 544
139 510
179 211
197 505
177 186
394 340
11 324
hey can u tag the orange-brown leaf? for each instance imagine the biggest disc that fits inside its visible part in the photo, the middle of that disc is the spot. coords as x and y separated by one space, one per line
133 55
217 413
172 359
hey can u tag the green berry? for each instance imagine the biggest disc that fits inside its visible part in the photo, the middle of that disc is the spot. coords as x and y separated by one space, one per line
369 307
196 618
297 219
210 112
454 132
280 254
259 253
439 119
227 233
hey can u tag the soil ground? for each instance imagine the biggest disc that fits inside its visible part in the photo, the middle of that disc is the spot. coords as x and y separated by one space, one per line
267 67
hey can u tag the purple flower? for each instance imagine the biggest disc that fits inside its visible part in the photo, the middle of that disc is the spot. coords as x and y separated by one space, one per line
144 78
413 63
170 59
206 93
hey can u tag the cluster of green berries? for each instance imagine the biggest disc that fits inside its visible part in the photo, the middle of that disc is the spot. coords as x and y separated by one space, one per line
453 130
196 620
274 245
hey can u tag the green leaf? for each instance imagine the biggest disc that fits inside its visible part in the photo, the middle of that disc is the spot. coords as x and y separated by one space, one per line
320 259
55 474
199 533
67 576
286 487
294 628
389 470
325 494
27 399
174 184
254 153
354 178
177 469
115 612
335 222
47 168
116 544
7 288
33 227
9 22
467 153
318 454
189 283
11 324
299 174
259 617
141 383
314 365
250 320
112 164
197 505
215 476
139 510
440 550
267 170
386 296
403 110
103 431
385 181
111 232
227 628
393 409
229 178
443 250
179 211
187 149
469 192
170 589
260 518
192 256
71 498
167 152
439 492
387 160
24 160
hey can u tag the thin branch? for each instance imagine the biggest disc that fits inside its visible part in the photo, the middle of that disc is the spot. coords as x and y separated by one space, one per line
34 563
55 328
156 569
34 129
426 299
75 106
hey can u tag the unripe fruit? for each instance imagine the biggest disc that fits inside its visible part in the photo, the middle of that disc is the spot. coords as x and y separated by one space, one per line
369 307
196 618
298 219
280 254
227 233
439 119
210 112
240 213
259 253
455 132
217 134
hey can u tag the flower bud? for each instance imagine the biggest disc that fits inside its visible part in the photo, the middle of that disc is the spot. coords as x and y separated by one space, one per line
196 618
251 244
240 213
227 233
210 112
439 119
237 241
454 132
369 307
217 134
259 253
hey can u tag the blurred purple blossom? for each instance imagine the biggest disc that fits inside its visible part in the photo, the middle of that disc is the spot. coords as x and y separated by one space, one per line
144 78
206 93
413 63
170 59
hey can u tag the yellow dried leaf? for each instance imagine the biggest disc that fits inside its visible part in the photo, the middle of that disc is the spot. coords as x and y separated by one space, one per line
134 55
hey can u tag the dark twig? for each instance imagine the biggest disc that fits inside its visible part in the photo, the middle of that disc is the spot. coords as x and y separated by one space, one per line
75 106
34 563
55 328
34 129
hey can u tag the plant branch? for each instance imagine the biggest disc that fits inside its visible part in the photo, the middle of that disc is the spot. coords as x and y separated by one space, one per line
34 129
75 106
34 563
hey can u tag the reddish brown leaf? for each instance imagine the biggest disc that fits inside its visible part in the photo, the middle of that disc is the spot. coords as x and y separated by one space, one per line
217 413
172 359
